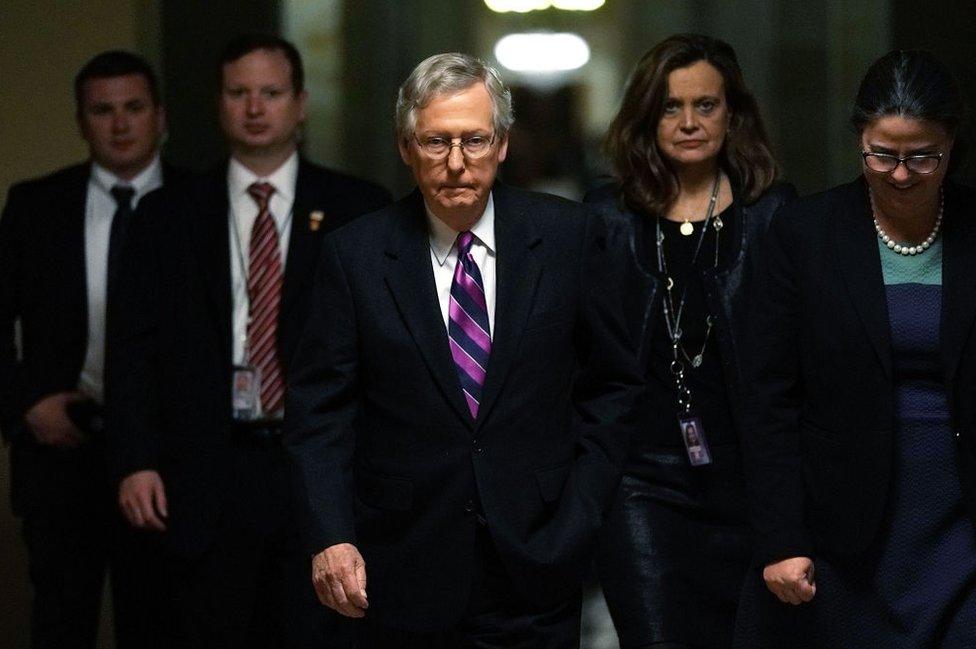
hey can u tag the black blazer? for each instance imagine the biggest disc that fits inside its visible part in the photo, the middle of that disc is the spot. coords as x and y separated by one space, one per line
819 444
387 454
169 376
43 286
727 288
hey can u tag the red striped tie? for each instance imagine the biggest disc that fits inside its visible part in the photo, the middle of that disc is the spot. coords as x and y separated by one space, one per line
264 290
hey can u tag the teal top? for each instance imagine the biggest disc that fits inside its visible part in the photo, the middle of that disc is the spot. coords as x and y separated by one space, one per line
924 268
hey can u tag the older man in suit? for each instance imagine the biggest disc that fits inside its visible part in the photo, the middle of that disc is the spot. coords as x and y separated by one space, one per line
217 278
459 403
61 237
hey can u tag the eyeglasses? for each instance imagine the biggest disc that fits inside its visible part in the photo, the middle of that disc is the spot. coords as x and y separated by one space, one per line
473 147
886 163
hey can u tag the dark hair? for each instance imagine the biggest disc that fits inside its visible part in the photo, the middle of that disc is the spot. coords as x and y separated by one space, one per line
648 183
115 63
910 83
244 44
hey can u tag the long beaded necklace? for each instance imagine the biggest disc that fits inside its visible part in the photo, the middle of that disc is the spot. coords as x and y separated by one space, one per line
689 423
906 249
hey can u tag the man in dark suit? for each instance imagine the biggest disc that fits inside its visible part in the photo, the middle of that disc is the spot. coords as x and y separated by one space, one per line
459 400
60 239
218 276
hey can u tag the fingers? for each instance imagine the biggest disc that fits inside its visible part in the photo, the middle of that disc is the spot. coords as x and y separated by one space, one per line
147 504
804 590
320 580
352 585
341 601
142 500
322 590
783 592
160 497
361 580
788 595
339 578
348 596
791 580
148 510
130 512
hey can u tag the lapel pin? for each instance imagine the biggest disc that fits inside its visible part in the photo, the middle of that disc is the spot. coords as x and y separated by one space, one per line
315 220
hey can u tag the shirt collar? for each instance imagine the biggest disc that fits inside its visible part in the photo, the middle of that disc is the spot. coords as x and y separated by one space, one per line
144 182
443 236
284 178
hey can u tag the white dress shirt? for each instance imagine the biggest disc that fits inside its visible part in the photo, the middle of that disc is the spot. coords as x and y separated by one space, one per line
243 214
443 258
100 209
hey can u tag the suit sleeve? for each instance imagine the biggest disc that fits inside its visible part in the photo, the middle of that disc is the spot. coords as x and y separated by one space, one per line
132 389
772 392
607 388
11 245
323 400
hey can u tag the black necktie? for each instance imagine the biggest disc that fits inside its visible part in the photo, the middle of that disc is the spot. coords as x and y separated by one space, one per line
116 240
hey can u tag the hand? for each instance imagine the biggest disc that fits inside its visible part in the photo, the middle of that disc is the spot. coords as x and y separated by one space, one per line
48 421
791 580
142 499
339 577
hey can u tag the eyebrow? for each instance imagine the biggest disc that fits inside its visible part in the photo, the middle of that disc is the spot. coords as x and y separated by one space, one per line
921 150
695 99
464 134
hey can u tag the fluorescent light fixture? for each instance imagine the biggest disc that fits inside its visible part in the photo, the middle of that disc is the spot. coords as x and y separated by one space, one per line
525 6
542 52
578 5
520 6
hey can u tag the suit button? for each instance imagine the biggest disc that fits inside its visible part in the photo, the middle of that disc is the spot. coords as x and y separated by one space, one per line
469 506
478 450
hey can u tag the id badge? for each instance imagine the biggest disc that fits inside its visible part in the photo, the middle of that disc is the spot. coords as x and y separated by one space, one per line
693 434
246 392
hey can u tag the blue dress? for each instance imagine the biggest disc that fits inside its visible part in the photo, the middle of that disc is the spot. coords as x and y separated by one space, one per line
917 587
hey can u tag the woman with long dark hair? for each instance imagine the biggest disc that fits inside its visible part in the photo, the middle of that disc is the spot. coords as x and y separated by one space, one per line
860 431
695 188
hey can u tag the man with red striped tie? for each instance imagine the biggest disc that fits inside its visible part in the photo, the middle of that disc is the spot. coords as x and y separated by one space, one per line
459 401
216 291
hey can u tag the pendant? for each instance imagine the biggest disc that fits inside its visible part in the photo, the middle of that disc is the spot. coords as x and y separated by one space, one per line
687 229
718 225
696 361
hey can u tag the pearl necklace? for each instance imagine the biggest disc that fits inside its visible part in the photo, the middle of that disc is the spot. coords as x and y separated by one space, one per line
904 249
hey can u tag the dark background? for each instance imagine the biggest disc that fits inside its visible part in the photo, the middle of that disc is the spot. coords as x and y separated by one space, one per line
803 60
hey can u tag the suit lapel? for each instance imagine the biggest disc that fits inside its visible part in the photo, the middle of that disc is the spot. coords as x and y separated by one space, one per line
958 281
517 275
859 261
74 206
211 245
302 241
410 278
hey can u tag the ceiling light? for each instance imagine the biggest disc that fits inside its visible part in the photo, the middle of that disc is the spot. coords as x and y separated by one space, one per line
542 52
525 6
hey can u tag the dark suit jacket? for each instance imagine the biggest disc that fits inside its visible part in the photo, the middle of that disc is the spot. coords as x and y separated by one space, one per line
169 379
727 288
43 286
387 454
819 432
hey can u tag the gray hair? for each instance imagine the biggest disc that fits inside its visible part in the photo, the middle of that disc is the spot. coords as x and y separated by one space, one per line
448 74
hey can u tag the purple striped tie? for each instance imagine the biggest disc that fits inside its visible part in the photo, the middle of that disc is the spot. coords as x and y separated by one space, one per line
468 331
